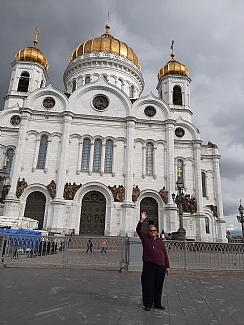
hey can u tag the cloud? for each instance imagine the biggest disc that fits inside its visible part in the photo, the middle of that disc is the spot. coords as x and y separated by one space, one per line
208 40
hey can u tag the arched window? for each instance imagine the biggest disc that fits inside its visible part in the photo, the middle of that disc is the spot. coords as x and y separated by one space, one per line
119 83
177 95
42 152
180 171
87 80
97 156
204 192
149 159
74 85
86 155
7 163
132 91
207 225
108 156
24 82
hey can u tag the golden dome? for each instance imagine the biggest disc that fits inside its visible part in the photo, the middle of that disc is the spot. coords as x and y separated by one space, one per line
105 43
32 54
173 67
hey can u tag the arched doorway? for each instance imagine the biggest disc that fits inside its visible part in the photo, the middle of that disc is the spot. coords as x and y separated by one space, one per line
150 206
92 219
35 207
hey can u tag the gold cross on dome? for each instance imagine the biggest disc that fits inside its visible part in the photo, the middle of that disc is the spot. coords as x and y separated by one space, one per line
36 37
172 48
179 171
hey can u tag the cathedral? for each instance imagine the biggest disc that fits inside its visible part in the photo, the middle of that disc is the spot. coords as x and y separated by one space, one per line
88 160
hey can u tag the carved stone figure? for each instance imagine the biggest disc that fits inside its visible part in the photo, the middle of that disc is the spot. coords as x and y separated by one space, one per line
52 189
118 193
189 204
70 190
213 208
164 195
21 185
135 193
193 205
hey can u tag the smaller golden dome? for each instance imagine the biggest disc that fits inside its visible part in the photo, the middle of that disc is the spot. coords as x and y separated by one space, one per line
32 54
173 67
105 43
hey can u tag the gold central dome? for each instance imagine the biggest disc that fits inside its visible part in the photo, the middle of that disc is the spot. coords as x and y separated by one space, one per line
173 67
32 54
105 43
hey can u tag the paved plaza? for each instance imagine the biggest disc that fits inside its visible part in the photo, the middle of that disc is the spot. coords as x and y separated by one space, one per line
43 296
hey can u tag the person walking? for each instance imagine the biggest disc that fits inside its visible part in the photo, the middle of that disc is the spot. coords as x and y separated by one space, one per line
103 247
155 266
89 245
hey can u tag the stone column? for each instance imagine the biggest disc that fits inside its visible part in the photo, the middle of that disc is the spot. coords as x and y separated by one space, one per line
199 215
172 223
129 159
221 230
11 200
128 206
58 203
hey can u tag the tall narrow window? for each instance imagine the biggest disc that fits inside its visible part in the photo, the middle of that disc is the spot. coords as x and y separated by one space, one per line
87 79
132 91
119 83
86 155
149 159
24 82
42 152
180 171
204 192
108 156
7 163
74 85
177 95
97 156
207 225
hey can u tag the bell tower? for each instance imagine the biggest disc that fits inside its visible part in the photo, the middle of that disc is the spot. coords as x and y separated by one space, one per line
174 86
29 72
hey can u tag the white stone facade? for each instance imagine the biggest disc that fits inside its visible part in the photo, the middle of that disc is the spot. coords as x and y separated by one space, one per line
73 119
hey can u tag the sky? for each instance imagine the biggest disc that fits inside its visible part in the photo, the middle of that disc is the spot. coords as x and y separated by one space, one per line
208 39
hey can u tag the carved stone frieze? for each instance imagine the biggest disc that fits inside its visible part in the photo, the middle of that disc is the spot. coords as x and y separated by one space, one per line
118 193
189 203
70 190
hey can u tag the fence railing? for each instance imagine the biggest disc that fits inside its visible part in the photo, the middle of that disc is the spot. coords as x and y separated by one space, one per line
119 252
63 251
192 255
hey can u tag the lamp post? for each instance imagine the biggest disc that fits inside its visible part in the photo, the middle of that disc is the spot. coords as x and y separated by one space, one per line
228 235
181 233
240 219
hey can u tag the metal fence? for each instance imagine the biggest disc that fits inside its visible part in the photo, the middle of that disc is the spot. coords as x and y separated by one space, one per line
72 251
194 255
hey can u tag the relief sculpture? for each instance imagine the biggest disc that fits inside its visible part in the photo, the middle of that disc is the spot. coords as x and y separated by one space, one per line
70 190
118 193
164 195
21 185
135 193
52 189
